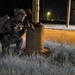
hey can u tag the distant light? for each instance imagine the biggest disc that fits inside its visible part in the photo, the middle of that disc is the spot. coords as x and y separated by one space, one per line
48 13
52 19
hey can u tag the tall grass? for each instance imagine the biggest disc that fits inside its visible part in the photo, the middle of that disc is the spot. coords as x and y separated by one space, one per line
61 62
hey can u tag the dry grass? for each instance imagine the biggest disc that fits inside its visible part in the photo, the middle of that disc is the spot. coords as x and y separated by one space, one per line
61 62
60 35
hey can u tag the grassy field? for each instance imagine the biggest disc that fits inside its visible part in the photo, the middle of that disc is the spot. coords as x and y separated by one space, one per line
61 62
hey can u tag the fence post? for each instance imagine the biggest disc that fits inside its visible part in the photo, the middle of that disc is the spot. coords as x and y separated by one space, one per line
68 13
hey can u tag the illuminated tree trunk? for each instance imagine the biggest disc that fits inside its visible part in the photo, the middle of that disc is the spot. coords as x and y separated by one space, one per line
35 11
35 40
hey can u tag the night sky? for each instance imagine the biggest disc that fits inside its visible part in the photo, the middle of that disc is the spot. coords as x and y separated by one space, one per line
56 7
7 6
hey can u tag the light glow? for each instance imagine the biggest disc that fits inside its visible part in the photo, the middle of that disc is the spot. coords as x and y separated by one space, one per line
48 13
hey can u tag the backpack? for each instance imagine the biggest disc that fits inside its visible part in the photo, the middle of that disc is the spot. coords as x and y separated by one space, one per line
3 20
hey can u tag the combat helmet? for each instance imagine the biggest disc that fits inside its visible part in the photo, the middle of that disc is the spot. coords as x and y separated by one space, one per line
19 11
19 14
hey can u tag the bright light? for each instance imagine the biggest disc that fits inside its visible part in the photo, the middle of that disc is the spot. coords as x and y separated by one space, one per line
48 15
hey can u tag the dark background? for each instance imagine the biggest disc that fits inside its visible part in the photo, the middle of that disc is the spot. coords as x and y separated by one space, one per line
58 8
8 6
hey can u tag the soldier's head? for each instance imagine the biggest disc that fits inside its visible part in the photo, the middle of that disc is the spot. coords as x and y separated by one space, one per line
20 14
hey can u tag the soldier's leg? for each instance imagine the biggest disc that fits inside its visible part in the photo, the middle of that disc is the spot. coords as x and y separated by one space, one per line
3 49
8 49
18 46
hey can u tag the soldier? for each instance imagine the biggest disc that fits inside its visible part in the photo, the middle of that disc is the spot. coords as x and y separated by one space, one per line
19 16
11 29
